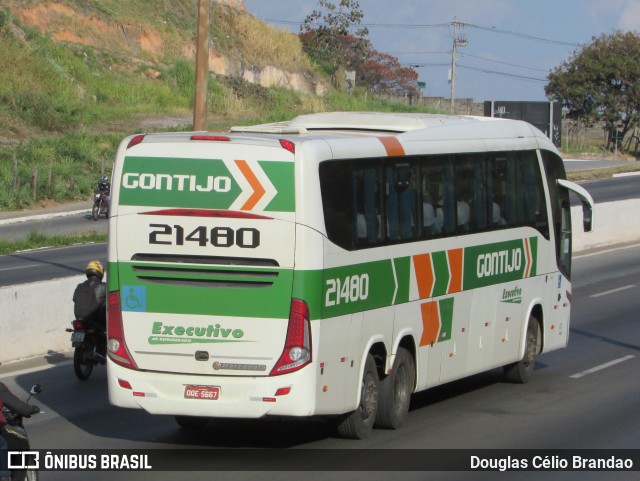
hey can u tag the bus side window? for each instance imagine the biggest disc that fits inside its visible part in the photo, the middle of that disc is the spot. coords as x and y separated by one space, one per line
498 177
337 203
366 194
401 201
431 193
466 190
448 201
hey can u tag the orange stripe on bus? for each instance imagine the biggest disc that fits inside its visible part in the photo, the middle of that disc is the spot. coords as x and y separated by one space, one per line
424 274
393 146
455 266
258 189
430 323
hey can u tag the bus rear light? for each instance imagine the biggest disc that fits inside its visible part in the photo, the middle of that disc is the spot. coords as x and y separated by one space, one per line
288 145
116 346
135 141
124 384
211 138
283 391
297 347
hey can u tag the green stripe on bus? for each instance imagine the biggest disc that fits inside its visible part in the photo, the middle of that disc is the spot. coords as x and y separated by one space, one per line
201 183
442 275
171 182
174 293
403 274
446 318
328 293
498 263
281 176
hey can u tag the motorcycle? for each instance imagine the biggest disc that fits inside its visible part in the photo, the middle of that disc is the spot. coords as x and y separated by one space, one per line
100 205
90 343
19 439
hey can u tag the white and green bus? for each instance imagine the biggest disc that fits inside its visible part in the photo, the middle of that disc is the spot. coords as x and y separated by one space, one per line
333 265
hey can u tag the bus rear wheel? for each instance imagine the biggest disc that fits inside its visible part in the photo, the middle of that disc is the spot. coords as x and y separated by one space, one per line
359 423
521 371
395 392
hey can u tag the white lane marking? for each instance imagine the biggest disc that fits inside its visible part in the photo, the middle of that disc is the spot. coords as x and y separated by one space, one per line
613 291
602 366
19 267
52 215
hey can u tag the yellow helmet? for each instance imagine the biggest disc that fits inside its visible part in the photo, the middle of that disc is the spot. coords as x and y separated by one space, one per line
94 268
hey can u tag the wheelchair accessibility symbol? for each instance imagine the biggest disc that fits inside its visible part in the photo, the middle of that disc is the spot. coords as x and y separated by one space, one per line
134 298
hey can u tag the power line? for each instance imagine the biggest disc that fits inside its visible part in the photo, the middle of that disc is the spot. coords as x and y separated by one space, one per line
504 63
521 35
477 69
473 56
440 25
504 74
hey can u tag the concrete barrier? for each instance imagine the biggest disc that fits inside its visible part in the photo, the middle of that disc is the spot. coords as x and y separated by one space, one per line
35 315
615 223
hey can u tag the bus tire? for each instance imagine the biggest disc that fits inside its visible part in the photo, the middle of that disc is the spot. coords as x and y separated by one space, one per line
359 423
395 392
521 371
192 422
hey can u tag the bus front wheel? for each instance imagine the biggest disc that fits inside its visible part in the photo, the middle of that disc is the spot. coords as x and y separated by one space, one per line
521 371
359 423
395 392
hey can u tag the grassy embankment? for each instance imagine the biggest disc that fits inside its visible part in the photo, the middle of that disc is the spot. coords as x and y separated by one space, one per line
66 104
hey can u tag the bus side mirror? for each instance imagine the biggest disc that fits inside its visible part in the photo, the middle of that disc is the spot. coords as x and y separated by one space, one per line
585 199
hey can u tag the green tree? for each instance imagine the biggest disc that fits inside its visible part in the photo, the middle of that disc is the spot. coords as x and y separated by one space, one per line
601 82
332 37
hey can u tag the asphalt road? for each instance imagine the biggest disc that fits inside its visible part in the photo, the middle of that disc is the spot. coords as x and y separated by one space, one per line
582 397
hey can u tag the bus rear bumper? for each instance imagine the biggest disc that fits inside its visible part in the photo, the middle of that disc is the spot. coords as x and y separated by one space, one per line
232 396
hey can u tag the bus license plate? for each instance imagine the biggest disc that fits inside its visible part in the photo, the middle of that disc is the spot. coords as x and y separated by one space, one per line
211 393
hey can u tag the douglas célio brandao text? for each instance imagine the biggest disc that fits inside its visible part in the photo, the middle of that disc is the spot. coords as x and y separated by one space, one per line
554 462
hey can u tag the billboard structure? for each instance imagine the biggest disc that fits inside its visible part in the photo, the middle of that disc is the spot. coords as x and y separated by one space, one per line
546 116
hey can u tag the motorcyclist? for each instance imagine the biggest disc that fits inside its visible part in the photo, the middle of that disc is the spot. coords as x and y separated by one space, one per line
89 297
9 440
104 188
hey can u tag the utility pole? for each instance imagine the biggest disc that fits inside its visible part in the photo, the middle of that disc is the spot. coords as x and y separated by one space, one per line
453 65
462 41
202 67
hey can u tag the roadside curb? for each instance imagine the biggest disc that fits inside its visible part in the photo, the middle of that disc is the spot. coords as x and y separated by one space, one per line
16 220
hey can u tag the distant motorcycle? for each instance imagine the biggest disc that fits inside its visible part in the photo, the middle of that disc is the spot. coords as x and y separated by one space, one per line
90 343
15 429
100 205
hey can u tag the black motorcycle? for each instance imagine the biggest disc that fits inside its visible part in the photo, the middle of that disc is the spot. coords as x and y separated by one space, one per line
18 440
100 205
90 343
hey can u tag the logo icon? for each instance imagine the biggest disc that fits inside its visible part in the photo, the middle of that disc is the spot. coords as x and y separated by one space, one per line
24 460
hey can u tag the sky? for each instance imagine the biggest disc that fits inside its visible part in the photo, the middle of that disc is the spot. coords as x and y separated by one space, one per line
511 45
